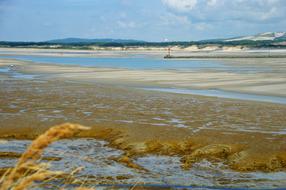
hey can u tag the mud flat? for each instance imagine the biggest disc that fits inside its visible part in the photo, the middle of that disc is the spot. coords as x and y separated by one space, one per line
246 137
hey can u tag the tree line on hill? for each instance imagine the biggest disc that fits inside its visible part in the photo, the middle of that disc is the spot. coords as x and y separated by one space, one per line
200 44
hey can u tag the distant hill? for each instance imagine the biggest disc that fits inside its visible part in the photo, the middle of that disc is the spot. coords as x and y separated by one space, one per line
268 36
89 41
263 40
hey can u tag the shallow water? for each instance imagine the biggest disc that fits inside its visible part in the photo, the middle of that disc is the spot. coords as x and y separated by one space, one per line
15 74
95 158
141 63
223 94
4 70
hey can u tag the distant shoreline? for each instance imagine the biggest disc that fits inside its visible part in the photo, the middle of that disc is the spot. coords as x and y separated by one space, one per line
176 53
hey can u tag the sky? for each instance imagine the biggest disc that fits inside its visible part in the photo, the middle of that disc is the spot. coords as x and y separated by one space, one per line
149 20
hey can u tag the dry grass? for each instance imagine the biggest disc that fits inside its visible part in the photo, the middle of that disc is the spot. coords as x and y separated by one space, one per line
28 168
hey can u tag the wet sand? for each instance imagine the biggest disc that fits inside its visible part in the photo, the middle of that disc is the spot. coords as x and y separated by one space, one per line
269 82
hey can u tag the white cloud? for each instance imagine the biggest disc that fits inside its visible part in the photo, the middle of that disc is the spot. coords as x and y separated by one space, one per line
170 19
220 10
212 2
181 5
126 24
202 26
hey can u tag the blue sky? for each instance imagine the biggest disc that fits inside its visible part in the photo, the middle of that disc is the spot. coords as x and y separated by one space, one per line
151 20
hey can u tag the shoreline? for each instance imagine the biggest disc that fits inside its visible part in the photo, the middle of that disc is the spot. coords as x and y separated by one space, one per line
156 52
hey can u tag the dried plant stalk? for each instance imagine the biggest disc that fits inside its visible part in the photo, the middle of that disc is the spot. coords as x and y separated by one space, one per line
34 152
38 176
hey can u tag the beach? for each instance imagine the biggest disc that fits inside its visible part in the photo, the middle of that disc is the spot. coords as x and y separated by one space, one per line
245 136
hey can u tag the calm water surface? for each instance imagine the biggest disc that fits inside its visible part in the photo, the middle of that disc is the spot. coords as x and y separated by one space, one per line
223 94
140 63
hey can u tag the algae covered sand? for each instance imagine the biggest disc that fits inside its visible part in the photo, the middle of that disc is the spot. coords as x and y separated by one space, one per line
140 117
